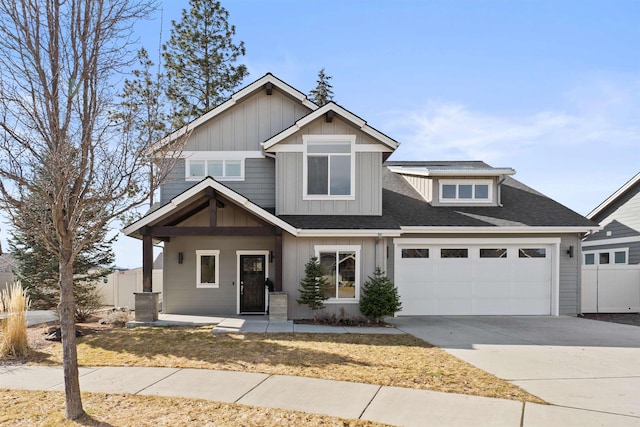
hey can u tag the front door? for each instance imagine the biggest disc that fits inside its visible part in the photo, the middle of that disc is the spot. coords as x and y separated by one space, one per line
252 277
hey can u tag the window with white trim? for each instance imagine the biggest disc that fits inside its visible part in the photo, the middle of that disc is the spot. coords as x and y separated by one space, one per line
329 167
222 170
618 256
341 268
208 269
466 191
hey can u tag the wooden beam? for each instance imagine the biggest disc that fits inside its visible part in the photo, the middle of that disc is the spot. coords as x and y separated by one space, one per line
164 231
213 212
147 262
277 258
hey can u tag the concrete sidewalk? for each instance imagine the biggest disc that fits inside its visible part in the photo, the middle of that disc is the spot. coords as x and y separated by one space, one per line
391 405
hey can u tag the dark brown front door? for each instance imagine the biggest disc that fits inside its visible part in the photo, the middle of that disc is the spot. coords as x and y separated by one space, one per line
252 283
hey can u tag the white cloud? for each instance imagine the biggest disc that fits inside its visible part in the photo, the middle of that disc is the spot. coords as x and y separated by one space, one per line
560 151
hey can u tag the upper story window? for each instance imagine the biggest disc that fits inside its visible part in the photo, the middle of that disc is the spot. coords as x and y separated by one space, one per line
329 167
466 191
222 170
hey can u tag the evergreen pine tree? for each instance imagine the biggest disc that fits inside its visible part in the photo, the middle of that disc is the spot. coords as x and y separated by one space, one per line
323 92
312 285
379 297
199 60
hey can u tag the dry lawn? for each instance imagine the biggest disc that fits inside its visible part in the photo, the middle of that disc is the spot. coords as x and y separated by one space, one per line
390 360
46 408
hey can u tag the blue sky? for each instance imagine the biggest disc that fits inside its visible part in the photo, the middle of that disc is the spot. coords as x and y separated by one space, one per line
548 87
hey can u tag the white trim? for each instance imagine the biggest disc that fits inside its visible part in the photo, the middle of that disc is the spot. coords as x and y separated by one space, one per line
358 148
202 185
238 266
221 155
425 171
200 253
348 233
525 229
345 114
616 241
329 139
187 169
477 241
471 201
358 265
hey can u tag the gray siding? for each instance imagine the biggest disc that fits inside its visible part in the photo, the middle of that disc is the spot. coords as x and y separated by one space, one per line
245 125
570 271
258 185
179 280
423 185
368 188
621 219
298 251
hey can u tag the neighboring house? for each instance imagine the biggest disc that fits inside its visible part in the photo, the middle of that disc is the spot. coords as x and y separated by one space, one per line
7 267
268 180
618 242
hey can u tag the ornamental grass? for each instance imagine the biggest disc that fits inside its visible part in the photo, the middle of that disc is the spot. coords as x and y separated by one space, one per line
13 328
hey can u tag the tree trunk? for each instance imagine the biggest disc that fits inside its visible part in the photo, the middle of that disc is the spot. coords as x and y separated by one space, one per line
66 309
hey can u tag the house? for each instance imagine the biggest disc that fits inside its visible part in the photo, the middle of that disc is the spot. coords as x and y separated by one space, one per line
618 242
268 180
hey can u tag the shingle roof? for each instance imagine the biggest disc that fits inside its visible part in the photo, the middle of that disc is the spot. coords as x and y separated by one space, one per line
521 206
341 222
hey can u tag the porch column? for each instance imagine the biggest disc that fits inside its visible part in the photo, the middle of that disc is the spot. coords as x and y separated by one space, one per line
147 260
278 260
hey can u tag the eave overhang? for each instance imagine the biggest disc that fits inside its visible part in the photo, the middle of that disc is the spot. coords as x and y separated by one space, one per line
602 206
390 143
497 230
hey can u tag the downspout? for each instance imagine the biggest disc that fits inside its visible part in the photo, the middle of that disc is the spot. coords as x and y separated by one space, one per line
499 185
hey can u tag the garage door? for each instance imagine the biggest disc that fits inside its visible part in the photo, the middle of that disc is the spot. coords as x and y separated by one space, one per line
459 279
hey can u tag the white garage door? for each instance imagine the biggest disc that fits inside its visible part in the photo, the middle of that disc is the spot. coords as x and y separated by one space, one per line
492 279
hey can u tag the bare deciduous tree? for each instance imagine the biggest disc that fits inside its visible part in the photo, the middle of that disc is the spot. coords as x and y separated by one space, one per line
59 138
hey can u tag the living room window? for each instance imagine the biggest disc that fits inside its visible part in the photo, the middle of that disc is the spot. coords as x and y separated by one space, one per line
341 268
222 170
207 269
329 167
466 191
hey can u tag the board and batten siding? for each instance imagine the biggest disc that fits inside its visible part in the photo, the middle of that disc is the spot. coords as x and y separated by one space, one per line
181 296
247 124
368 175
258 185
622 218
298 251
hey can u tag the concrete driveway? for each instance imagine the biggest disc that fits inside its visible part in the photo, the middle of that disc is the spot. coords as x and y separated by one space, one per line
566 361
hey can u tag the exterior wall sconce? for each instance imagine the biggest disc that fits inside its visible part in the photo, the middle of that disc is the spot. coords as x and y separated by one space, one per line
570 251
180 257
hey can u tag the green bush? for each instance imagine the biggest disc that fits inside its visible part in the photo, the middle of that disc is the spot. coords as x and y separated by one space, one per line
379 297
312 285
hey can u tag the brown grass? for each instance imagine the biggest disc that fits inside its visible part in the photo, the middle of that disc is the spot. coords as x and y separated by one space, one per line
391 360
46 408
13 330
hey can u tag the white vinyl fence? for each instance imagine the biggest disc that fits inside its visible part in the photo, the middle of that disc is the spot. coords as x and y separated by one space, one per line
611 288
120 286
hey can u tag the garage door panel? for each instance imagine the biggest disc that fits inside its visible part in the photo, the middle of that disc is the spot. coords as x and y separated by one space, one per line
508 285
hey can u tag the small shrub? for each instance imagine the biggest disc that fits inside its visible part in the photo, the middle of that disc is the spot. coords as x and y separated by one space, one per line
13 341
379 297
312 285
340 320
87 303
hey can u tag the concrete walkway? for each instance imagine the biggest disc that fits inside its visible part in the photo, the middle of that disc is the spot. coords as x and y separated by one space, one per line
391 405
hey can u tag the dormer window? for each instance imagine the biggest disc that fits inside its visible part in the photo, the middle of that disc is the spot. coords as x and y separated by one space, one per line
329 167
466 191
